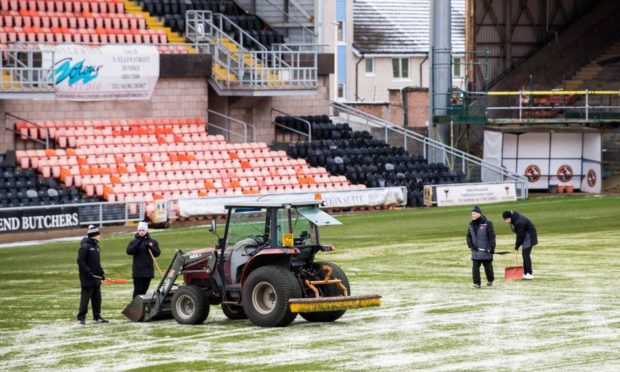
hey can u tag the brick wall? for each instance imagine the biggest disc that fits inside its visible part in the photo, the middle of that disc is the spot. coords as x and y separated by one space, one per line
172 97
257 110
417 108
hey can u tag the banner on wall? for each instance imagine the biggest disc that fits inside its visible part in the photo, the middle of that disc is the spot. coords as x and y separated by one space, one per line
109 72
475 194
38 219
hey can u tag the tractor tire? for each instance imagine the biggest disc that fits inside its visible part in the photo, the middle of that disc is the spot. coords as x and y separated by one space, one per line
266 293
233 312
190 305
329 291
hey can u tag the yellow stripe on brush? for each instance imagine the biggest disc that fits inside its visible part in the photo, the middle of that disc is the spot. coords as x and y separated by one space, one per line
323 304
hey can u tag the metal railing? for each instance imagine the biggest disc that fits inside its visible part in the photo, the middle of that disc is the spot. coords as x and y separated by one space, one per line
297 118
304 30
10 125
237 67
227 127
474 168
540 104
22 70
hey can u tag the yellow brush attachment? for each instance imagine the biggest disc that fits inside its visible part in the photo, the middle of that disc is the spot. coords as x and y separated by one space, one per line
312 305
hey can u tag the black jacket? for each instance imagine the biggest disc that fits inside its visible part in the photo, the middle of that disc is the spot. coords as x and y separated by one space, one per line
481 239
89 263
142 261
525 230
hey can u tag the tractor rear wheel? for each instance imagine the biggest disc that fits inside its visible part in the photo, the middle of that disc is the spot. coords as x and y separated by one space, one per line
266 293
233 312
329 291
190 305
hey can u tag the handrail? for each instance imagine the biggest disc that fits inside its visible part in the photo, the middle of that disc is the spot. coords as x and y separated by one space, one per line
47 131
426 141
304 28
243 32
243 123
248 69
25 71
525 106
550 92
309 134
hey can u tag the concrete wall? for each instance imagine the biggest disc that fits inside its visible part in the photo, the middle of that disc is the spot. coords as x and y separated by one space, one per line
172 97
257 110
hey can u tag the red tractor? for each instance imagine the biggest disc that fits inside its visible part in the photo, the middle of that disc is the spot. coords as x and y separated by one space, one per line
263 268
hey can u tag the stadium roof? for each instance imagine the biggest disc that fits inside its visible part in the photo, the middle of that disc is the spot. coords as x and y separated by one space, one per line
401 26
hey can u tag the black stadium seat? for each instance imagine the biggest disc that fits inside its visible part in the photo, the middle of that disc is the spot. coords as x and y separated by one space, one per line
365 160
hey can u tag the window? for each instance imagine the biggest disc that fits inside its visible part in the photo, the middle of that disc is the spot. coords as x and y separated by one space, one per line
456 67
341 91
400 68
340 32
370 66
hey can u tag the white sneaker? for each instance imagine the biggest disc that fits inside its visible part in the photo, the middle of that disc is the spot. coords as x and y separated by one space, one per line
528 276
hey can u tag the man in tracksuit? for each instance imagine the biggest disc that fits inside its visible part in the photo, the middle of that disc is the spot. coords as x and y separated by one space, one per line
481 241
91 275
526 237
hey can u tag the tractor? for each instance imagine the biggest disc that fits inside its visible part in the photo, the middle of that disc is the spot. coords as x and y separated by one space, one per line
263 269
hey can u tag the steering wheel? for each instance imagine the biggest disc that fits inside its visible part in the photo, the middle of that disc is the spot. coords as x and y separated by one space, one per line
260 239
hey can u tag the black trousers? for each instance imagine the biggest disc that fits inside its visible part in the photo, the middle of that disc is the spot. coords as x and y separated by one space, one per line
92 294
488 270
527 260
140 286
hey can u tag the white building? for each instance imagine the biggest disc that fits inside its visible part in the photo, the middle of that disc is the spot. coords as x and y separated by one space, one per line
387 46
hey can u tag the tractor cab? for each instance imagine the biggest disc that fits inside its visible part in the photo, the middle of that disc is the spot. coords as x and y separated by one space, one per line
274 229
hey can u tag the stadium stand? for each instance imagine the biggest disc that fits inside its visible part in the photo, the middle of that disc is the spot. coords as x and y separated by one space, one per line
25 188
173 13
364 160
104 22
151 159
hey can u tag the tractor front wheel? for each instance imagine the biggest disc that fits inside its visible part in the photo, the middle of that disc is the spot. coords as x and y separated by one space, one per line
266 293
190 305
328 291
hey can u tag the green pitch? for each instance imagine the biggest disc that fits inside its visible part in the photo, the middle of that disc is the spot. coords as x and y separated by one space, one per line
568 318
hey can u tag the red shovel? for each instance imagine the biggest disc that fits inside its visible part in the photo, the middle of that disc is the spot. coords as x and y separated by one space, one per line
514 272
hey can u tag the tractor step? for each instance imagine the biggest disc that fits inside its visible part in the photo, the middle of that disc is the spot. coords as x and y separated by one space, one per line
311 305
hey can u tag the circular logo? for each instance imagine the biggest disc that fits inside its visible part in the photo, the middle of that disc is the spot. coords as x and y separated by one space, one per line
591 178
532 172
565 173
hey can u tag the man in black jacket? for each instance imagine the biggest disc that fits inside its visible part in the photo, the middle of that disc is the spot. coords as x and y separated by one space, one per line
143 248
526 237
481 241
91 275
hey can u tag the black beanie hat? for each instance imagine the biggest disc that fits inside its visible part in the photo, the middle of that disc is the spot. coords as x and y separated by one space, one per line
477 209
92 231
507 214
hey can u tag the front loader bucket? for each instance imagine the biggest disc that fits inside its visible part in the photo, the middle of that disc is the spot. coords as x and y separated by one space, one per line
135 311
311 305
145 308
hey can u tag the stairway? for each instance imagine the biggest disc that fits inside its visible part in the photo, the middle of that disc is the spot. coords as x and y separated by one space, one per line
155 24
589 71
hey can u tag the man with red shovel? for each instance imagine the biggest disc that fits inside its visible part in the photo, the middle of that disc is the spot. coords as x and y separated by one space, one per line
481 241
526 237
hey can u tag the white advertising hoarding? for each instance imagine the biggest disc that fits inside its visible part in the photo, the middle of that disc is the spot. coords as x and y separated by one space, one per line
475 194
109 72
333 199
